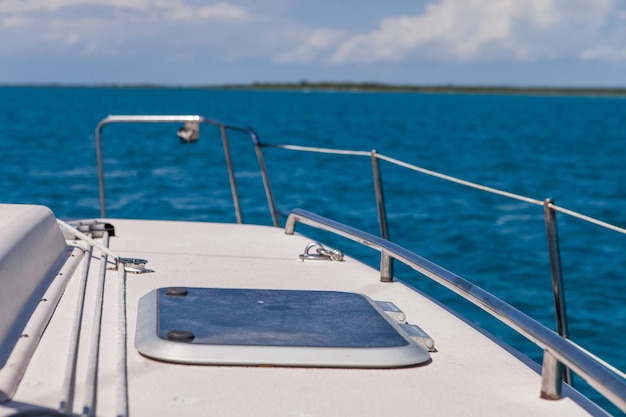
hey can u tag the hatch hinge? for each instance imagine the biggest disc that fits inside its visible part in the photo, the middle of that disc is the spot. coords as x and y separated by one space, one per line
412 330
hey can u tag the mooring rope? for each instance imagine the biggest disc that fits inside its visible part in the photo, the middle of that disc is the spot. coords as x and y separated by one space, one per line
69 385
89 405
82 236
122 372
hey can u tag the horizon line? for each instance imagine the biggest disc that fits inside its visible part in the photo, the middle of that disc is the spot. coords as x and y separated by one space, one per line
365 86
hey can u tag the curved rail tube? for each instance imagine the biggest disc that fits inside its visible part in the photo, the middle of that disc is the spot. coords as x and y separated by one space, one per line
181 119
557 350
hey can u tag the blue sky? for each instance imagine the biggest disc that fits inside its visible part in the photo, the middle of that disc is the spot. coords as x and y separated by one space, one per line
579 43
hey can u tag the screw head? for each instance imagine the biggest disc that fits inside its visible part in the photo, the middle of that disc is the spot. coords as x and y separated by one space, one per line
180 336
176 291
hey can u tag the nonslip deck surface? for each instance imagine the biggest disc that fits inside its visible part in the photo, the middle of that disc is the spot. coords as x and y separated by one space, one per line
468 375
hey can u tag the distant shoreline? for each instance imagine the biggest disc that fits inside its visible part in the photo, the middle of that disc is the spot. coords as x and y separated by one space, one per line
367 87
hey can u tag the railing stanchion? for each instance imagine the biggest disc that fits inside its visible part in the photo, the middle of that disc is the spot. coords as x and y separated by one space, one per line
380 197
231 175
266 180
557 275
386 262
386 267
100 165
551 377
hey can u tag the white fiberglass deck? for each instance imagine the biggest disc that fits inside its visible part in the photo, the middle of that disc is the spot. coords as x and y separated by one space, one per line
469 374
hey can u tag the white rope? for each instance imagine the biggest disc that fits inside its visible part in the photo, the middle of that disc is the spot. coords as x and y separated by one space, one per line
69 384
89 405
87 239
122 373
122 387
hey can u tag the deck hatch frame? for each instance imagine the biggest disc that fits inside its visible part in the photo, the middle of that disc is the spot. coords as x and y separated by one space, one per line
228 326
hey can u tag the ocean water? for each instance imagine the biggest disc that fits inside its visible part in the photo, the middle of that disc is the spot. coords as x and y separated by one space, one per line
570 149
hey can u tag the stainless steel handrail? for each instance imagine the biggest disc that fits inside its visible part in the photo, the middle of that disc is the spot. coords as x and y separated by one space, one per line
550 209
224 128
557 350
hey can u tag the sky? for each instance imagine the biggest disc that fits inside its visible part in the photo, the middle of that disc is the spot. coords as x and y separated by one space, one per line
541 43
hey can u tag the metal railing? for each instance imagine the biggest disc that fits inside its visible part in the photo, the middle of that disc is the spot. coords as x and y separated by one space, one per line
554 371
549 208
557 350
223 127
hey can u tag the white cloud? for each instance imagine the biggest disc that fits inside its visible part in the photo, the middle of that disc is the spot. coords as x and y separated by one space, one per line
72 38
224 11
446 30
314 43
166 9
604 53
30 6
11 22
87 26
481 29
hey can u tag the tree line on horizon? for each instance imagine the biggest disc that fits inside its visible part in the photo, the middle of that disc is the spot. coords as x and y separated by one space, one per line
356 87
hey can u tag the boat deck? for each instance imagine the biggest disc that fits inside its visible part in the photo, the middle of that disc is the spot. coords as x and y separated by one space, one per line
469 373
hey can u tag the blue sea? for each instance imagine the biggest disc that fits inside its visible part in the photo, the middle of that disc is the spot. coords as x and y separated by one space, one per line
568 148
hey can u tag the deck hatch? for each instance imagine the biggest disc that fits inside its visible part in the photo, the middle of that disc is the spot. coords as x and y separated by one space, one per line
271 327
